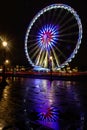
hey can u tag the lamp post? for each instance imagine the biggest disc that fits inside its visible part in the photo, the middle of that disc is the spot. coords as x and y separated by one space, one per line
4 44
50 58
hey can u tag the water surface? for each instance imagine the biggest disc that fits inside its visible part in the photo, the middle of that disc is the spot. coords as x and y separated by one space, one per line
40 104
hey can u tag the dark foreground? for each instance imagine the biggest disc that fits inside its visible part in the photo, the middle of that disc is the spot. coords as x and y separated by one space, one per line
40 104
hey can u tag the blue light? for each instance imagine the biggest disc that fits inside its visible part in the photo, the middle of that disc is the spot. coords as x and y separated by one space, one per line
47 36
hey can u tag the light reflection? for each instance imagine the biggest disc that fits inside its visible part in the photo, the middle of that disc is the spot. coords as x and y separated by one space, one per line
6 93
53 125
46 95
57 100
1 126
49 114
43 99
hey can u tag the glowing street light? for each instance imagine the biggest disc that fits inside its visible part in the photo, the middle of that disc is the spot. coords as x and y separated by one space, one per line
7 62
50 60
4 43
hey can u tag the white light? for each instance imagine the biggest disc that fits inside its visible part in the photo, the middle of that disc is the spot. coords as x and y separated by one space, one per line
4 43
7 62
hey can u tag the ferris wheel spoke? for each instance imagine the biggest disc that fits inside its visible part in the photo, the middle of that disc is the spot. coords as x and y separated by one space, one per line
68 28
33 45
63 18
42 59
35 53
66 22
47 18
68 34
38 57
58 16
32 40
66 41
61 53
46 59
54 12
33 49
39 24
56 57
43 18
32 36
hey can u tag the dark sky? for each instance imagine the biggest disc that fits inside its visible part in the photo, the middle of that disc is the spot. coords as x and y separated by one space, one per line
15 17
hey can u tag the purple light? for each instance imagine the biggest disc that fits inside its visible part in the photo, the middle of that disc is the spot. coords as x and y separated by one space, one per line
51 114
47 36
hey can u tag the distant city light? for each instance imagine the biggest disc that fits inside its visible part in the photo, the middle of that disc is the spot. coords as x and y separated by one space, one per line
7 61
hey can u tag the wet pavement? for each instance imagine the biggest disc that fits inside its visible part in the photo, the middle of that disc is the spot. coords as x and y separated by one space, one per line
40 104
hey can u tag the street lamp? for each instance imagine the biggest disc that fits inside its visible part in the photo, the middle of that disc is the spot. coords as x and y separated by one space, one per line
51 58
4 44
7 62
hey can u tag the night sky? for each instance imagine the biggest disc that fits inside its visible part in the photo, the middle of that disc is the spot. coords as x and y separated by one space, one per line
15 17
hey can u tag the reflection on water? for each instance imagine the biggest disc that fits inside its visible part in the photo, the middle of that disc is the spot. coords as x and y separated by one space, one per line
55 104
42 105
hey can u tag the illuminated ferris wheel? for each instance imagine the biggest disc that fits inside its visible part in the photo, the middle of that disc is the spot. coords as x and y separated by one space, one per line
53 37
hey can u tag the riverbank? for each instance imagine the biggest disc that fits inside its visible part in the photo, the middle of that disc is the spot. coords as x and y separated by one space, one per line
49 75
